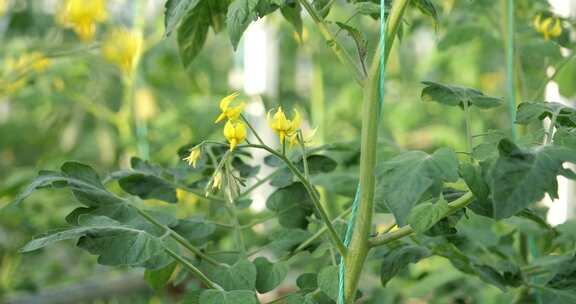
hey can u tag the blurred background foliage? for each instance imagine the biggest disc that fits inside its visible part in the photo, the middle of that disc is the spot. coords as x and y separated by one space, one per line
74 106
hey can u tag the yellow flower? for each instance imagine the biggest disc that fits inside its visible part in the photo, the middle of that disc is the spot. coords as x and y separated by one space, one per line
549 27
235 133
283 126
232 113
82 16
193 157
217 181
307 137
122 47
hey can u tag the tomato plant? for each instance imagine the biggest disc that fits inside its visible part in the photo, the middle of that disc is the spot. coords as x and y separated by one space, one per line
477 209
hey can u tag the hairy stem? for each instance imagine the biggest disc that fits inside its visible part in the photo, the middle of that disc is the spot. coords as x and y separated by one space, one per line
252 129
359 246
178 238
201 276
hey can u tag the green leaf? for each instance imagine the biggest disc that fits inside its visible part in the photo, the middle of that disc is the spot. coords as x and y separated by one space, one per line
125 214
367 8
282 178
427 214
80 178
286 239
307 282
458 96
240 14
405 179
529 112
318 164
196 230
174 11
476 182
522 177
468 265
269 275
192 33
148 187
241 275
489 275
292 14
159 278
292 204
427 8
273 161
322 7
328 281
114 243
398 258
565 278
146 181
565 137
359 39
341 183
212 296
555 296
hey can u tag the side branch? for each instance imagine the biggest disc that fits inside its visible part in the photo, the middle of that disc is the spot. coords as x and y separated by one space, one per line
384 239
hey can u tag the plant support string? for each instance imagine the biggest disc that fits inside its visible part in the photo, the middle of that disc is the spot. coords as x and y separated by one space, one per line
355 202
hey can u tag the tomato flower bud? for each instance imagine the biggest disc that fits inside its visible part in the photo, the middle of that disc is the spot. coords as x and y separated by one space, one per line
235 133
193 157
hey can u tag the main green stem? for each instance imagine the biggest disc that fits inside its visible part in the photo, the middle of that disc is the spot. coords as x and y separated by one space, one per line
359 245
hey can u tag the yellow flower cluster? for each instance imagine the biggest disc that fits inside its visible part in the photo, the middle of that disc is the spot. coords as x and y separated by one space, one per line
549 27
234 129
82 16
122 47
19 67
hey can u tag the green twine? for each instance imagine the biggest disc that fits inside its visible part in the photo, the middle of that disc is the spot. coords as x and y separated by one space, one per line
355 202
